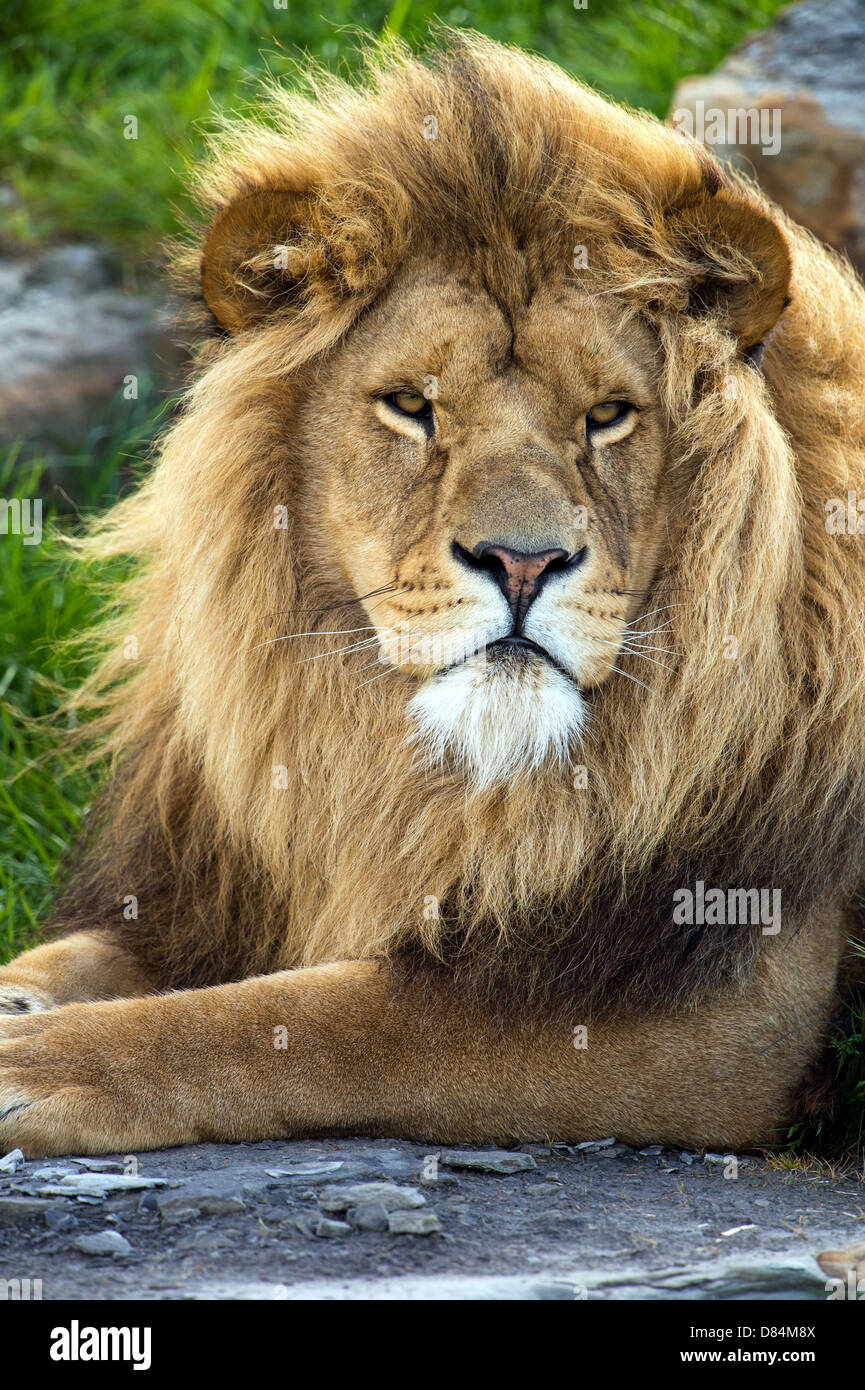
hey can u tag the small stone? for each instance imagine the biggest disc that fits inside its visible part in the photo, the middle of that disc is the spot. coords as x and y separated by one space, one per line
99 1185
169 1204
278 1197
652 1151
305 1225
208 1241
503 1161
148 1201
332 1230
595 1144
549 1292
101 1165
413 1223
56 1219
392 1197
104 1243
546 1189
179 1215
12 1162
369 1216
307 1168
440 1180
14 1209
215 1205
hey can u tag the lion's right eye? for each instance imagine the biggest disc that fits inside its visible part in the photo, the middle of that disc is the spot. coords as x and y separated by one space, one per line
410 403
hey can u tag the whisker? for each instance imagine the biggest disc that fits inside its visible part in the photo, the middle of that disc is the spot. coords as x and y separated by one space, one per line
354 647
620 672
652 611
646 632
385 672
331 607
654 660
335 632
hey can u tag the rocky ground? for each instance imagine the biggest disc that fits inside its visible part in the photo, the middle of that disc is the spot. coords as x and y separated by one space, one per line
361 1219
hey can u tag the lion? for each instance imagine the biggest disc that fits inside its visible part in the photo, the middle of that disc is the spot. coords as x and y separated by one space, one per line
486 701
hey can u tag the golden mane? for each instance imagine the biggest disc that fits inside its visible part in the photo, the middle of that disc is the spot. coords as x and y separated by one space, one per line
745 771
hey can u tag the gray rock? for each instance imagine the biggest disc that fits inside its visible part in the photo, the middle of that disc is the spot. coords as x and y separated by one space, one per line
169 1204
502 1161
332 1230
100 1165
413 1223
99 1185
212 1204
804 76
548 1293
652 1151
15 1209
588 1144
448 1180
69 336
104 1243
307 1168
369 1216
56 1219
178 1216
546 1189
391 1197
12 1162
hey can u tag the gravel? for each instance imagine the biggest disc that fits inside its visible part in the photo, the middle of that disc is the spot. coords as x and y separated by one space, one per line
353 1219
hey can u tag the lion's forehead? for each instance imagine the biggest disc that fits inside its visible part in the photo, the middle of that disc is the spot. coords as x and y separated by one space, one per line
456 333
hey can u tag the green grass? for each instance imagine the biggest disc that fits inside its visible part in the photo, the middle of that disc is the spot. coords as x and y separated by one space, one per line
48 604
70 72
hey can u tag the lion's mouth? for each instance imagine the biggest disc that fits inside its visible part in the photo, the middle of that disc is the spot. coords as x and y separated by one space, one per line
516 648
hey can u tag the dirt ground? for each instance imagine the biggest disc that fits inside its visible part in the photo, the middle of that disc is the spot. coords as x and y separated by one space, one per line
274 1221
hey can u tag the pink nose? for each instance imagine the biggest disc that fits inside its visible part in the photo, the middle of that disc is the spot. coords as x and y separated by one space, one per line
518 573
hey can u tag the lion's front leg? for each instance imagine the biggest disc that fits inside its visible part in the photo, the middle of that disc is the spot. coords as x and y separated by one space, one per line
336 1048
86 965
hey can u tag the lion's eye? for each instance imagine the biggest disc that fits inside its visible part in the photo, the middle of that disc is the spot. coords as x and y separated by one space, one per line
410 403
609 421
607 413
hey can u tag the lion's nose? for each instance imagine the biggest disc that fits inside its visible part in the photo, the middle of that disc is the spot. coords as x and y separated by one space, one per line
519 574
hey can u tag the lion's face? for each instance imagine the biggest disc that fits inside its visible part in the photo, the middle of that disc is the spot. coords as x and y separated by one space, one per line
488 439
490 480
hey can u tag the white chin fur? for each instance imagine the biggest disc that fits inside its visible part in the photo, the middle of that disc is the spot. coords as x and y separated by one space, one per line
498 719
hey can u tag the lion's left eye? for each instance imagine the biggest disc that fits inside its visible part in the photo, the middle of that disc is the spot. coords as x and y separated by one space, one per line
609 421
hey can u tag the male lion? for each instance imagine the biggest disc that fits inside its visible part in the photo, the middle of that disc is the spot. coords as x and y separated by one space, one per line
489 668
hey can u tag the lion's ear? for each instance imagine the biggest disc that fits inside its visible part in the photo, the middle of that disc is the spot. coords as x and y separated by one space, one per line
741 262
249 264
